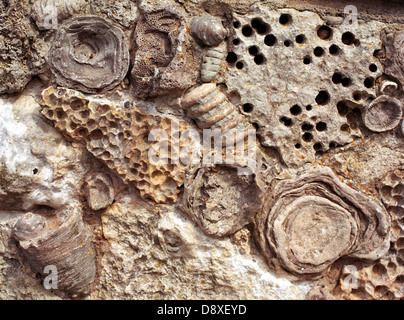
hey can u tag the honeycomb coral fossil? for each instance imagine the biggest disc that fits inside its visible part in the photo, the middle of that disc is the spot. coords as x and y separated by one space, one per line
309 222
89 54
122 138
62 242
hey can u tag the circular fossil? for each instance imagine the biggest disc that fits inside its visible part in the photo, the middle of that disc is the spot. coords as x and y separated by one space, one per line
208 30
383 114
89 54
309 222
220 200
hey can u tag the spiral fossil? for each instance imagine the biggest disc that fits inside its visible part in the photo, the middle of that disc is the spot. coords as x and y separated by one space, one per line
311 221
89 54
61 241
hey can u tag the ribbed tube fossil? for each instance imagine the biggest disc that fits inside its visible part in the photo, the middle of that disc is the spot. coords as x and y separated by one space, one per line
383 114
208 30
211 109
89 54
311 221
62 241
212 62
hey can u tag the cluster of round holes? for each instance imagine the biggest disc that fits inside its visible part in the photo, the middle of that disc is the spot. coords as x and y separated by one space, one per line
339 78
232 58
286 121
260 26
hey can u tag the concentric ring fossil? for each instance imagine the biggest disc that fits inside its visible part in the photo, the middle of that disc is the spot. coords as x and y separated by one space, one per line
89 54
383 114
309 222
220 200
62 242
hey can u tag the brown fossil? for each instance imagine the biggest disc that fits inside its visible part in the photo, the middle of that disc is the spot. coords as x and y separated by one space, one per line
61 241
89 54
311 221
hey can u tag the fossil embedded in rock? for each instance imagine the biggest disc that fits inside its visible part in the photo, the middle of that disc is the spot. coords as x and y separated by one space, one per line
309 222
383 114
220 200
212 62
62 241
388 87
99 190
124 139
89 54
394 44
208 30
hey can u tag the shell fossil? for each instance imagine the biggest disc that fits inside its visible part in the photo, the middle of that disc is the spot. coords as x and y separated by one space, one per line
208 30
89 54
383 114
212 62
311 221
211 109
44 11
61 241
220 200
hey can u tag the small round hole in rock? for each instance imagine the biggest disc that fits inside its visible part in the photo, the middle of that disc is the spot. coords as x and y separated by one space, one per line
332 145
259 59
300 39
297 145
239 65
307 60
286 121
324 32
307 136
308 108
317 146
236 24
286 43
270 40
260 26
253 50
373 67
248 107
348 38
236 41
369 82
356 96
321 126
231 57
346 82
285 19
295 110
323 97
247 31
337 78
345 128
334 49
35 171
342 108
318 51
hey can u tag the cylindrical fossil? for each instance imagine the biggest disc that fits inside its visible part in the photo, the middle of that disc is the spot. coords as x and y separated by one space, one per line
309 222
383 114
89 54
211 109
208 30
62 242
212 62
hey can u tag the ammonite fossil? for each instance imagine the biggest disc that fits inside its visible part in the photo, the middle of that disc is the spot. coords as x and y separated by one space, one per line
89 54
61 241
311 221
383 114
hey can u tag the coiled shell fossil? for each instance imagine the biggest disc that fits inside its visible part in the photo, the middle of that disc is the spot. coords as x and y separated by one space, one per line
49 13
63 242
211 109
89 54
208 30
212 62
309 222
383 114
220 200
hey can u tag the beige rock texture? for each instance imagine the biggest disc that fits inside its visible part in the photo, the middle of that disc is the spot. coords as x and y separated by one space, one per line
111 177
